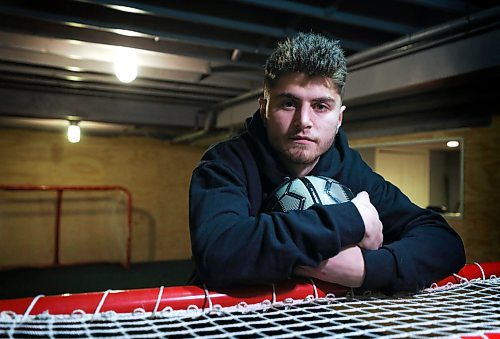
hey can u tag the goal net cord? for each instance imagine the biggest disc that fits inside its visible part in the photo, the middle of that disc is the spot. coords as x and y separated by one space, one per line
467 303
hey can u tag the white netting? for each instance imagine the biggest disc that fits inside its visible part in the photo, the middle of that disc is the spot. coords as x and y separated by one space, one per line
471 308
93 227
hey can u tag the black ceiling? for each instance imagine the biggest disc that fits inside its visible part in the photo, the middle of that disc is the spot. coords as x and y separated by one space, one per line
192 55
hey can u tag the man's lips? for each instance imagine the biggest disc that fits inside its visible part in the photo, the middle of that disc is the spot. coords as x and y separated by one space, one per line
301 138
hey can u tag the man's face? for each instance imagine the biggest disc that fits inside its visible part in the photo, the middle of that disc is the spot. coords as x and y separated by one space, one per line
302 115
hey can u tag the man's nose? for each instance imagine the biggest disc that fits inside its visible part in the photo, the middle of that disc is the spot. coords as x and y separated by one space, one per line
303 116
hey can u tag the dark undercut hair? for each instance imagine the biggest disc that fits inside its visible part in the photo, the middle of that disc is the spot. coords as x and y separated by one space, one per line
308 53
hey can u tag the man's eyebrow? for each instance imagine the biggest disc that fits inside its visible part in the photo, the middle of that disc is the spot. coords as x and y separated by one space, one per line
291 96
324 99
287 95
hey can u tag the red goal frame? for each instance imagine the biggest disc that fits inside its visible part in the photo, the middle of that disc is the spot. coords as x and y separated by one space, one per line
183 297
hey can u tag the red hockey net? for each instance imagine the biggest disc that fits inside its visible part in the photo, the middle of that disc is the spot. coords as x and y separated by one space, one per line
463 305
43 225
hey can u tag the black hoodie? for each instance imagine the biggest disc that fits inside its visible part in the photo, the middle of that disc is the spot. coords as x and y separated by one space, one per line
235 242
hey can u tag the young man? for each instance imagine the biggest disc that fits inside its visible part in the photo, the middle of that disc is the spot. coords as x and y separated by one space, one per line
377 241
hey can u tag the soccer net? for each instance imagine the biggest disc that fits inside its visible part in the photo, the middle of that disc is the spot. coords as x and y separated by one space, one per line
463 305
64 225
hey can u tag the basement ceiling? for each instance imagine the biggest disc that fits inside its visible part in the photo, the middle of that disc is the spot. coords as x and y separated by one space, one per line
56 57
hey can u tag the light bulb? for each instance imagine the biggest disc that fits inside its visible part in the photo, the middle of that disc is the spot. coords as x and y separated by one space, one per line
73 133
126 65
453 143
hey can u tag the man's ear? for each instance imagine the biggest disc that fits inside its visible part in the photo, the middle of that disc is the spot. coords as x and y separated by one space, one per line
341 116
262 108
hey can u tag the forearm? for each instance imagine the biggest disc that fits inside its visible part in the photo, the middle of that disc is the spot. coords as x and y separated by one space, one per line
347 268
260 249
423 256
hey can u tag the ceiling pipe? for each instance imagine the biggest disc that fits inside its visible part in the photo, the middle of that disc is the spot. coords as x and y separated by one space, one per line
211 116
467 22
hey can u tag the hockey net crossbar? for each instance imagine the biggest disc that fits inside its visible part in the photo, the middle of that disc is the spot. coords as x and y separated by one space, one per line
463 305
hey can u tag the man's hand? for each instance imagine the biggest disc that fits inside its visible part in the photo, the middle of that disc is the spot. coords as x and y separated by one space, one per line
346 268
373 237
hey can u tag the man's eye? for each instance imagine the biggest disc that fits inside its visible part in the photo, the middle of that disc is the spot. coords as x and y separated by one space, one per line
288 104
321 107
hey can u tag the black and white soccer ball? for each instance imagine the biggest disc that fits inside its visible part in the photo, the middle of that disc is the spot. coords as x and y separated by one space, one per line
302 193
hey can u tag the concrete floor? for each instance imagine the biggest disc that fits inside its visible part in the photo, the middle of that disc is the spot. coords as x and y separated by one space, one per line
29 282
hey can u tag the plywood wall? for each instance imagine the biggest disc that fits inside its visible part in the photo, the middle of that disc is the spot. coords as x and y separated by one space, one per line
479 226
156 172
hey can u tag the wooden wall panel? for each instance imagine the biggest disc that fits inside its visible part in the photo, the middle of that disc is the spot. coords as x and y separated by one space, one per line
156 172
479 226
407 169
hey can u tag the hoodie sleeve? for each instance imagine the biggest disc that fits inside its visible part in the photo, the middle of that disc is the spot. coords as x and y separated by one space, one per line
419 246
232 246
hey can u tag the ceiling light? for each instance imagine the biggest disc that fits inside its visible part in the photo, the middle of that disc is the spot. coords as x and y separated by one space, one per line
73 69
236 55
127 32
75 57
128 9
126 65
73 78
73 131
76 24
75 42
453 143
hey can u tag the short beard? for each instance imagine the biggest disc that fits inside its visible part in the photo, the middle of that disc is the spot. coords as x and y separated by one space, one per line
300 157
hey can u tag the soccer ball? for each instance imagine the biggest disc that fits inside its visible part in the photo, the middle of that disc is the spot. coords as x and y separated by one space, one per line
302 193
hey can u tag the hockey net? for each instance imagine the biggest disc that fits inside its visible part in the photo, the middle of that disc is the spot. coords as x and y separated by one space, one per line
463 305
54 225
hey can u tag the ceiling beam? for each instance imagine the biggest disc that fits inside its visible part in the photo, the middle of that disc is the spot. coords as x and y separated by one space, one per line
70 34
209 20
451 6
74 51
164 12
25 102
332 15
133 30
